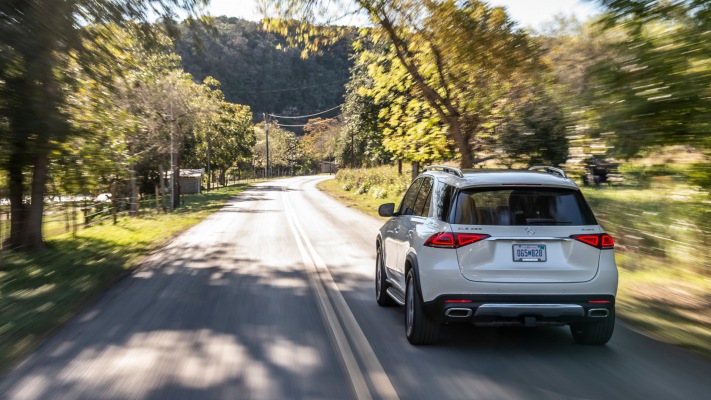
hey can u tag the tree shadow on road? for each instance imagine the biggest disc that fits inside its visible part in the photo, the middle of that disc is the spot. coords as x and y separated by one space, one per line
212 325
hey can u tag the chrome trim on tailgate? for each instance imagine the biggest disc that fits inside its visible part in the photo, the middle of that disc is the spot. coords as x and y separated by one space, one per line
516 310
530 238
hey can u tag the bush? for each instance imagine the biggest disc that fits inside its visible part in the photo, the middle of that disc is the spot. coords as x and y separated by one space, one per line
379 182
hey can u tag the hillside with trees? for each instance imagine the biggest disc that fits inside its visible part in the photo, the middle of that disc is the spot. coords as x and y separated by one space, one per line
256 68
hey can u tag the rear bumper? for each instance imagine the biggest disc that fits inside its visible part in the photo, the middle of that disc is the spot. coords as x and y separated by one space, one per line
512 309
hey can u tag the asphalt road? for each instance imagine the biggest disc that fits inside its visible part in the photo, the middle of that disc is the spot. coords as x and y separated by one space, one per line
272 298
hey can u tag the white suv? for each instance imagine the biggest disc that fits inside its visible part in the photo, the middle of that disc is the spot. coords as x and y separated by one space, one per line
496 247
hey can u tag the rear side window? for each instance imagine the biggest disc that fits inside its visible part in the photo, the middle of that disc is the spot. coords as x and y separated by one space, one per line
445 198
422 202
521 206
407 207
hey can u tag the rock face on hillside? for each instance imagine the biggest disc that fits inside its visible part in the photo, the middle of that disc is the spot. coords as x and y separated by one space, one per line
253 71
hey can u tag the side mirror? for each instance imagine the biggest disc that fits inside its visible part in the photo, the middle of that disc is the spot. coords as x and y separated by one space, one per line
386 210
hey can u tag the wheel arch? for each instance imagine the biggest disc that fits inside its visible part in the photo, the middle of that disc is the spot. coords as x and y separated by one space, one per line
412 264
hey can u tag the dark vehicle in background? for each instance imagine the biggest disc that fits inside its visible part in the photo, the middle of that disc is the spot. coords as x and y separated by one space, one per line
597 171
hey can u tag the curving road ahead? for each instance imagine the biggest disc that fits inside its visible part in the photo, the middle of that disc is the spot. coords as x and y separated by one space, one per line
272 298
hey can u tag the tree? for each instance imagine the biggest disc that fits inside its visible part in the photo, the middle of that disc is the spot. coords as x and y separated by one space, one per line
533 133
112 136
573 50
411 130
281 143
320 141
656 89
36 40
360 141
226 137
459 56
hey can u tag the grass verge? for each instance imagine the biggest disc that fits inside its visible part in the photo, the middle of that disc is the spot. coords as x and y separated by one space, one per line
671 306
40 291
664 290
362 202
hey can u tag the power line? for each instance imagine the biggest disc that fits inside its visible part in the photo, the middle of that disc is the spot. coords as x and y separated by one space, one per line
305 116
292 89
313 123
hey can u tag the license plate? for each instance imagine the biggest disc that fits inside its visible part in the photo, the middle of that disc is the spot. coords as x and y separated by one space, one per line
529 252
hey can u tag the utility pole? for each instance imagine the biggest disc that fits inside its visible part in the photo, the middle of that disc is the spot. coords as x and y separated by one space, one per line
291 163
172 161
292 148
209 171
266 132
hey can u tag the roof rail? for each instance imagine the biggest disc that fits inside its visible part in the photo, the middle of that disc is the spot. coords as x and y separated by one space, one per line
444 168
550 170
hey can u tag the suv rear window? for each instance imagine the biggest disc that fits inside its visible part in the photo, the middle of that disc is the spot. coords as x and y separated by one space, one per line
521 206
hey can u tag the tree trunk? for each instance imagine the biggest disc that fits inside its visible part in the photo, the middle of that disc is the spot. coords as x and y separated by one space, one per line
462 141
158 197
175 191
133 210
223 172
415 169
32 237
17 206
399 167
162 187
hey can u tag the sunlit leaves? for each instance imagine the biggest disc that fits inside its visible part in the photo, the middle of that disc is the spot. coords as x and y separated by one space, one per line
655 90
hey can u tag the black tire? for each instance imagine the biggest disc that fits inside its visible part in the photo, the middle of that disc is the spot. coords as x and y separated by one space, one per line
419 329
381 282
594 333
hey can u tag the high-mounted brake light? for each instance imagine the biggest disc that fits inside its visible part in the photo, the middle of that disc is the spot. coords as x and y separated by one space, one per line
600 240
453 240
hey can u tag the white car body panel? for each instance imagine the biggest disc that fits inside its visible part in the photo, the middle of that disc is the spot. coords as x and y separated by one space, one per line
486 267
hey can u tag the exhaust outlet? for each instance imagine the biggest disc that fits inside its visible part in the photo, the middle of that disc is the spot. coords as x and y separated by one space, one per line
458 312
598 312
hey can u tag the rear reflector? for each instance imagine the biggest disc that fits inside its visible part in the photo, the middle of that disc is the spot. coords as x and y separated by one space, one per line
598 301
453 240
600 240
457 301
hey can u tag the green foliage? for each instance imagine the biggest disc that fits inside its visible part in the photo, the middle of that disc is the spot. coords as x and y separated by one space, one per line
39 42
319 142
360 142
256 69
650 85
440 75
678 165
533 133
378 182
411 129
669 223
700 174
281 145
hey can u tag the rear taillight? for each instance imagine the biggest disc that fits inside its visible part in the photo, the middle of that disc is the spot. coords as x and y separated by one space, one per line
453 240
600 240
